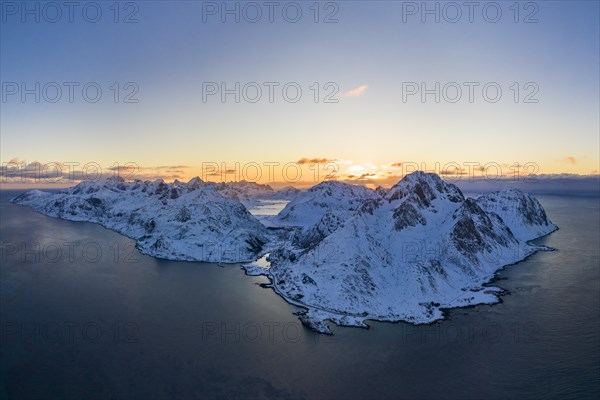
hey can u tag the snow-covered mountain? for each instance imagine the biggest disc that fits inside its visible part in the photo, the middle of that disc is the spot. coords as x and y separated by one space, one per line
179 221
286 193
252 194
522 213
346 253
247 193
333 197
319 211
420 247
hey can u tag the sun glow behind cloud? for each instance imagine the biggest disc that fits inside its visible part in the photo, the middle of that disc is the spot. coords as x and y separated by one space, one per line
305 172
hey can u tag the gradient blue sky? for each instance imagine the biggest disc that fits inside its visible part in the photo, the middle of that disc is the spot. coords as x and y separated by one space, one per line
170 52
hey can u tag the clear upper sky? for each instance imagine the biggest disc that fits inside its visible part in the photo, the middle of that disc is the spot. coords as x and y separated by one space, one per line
372 54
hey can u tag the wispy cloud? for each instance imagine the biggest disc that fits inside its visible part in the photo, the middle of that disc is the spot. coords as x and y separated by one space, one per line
221 172
359 91
306 160
571 160
60 172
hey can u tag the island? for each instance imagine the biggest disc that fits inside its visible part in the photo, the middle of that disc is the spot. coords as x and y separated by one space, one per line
342 253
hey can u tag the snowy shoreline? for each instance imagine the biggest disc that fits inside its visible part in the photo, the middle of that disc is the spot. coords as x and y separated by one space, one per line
320 325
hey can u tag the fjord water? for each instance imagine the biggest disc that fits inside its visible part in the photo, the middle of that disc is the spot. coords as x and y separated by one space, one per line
84 315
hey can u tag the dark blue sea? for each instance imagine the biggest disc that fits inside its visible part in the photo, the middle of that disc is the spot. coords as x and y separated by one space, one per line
84 315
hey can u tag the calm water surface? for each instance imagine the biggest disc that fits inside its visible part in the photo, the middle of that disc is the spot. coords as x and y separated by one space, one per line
84 315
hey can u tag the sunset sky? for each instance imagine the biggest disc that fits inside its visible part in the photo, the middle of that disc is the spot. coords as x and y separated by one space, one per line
368 55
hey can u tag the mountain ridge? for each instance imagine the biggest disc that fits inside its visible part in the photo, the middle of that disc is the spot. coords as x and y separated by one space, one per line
344 253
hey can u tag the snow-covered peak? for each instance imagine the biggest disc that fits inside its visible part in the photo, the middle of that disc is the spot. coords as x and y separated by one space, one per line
245 188
338 189
426 187
337 198
115 179
195 182
286 193
243 191
521 212
347 253
421 248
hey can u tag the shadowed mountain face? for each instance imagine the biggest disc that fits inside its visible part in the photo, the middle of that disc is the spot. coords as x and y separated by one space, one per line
347 253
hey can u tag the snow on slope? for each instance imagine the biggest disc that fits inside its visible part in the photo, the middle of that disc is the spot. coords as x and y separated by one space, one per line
319 211
347 254
254 195
404 257
179 221
522 213
338 198
287 193
247 193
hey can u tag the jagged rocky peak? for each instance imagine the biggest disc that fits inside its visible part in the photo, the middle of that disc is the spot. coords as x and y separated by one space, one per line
380 190
417 192
247 185
195 182
116 179
243 191
91 186
424 188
